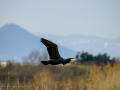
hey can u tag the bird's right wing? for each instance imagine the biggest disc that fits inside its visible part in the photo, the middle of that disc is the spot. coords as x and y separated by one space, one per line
51 48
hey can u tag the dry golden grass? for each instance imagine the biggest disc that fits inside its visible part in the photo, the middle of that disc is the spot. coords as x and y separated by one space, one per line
46 80
104 77
100 78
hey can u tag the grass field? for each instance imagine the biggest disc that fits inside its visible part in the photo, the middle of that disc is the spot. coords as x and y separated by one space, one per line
70 77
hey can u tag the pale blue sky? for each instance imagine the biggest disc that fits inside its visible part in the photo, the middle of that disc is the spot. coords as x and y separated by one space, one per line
64 17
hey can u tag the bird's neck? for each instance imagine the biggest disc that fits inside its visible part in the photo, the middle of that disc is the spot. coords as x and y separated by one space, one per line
67 59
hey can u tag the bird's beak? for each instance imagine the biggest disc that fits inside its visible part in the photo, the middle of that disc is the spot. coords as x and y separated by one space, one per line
73 59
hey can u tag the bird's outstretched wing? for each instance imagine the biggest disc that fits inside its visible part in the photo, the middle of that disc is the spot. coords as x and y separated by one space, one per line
51 48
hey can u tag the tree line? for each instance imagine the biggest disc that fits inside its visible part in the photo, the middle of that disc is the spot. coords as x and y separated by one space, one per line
87 58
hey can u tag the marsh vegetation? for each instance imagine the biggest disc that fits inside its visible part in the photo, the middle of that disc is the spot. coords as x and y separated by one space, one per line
36 76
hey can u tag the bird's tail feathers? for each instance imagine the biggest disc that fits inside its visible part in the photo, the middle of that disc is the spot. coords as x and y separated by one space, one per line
45 62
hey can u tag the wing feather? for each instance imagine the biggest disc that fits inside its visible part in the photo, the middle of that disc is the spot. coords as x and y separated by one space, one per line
51 48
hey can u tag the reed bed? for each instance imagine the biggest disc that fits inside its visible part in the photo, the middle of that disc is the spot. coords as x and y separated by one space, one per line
105 77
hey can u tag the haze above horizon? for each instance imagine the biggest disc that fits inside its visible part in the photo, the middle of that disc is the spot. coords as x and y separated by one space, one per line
97 18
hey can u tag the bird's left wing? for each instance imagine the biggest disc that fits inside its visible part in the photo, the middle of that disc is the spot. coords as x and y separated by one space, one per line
51 48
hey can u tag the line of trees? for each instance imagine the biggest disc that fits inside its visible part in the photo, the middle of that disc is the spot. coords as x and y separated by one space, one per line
85 57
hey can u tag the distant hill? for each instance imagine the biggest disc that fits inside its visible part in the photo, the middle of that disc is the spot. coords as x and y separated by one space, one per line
91 44
16 42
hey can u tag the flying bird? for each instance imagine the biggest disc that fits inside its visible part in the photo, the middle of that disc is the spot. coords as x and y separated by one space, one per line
54 55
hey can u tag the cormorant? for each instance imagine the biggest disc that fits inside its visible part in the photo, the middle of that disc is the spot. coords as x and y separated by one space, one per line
54 54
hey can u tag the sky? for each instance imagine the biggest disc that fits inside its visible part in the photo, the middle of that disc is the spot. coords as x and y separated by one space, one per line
64 17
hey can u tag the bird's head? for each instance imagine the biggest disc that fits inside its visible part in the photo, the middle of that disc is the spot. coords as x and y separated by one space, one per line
72 59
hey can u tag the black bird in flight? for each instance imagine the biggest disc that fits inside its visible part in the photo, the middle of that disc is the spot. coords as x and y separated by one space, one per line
54 55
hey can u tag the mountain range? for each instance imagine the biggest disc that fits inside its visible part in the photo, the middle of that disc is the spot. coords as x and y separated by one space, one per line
16 42
92 44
